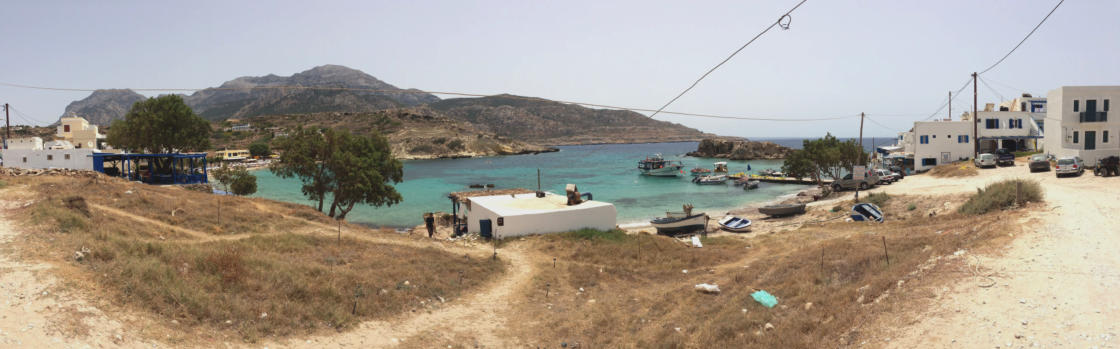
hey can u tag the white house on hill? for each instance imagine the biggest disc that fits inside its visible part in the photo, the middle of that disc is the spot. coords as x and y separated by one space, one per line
1079 124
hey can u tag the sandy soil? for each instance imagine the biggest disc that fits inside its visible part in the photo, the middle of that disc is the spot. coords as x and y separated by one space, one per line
1054 287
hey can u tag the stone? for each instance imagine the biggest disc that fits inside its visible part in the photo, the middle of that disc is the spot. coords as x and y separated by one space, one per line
808 305
263 315
768 326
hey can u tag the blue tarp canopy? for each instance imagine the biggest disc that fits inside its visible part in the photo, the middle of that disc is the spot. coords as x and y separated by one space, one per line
166 168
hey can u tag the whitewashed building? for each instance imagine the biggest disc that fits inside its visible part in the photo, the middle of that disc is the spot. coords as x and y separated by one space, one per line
25 143
1079 124
509 215
75 159
941 142
1012 130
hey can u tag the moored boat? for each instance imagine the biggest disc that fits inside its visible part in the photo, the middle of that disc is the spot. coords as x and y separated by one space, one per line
700 171
709 180
721 167
737 175
735 224
657 166
751 184
782 210
867 212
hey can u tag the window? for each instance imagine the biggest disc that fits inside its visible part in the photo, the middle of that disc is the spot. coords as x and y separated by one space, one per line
1023 106
1076 105
962 138
1104 134
66 128
25 159
1106 105
929 162
923 139
66 156
991 123
1075 139
50 157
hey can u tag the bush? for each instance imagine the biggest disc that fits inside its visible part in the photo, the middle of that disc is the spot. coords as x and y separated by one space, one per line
595 234
455 144
879 199
1002 195
911 207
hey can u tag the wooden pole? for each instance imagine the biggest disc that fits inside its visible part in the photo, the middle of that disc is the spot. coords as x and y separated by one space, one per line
975 121
885 255
861 116
950 105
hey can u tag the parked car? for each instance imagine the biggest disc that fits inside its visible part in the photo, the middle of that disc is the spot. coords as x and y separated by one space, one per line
1004 157
1039 162
869 180
886 176
986 160
1069 165
1108 166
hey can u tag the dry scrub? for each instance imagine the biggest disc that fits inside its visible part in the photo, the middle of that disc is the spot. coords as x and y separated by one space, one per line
956 169
645 301
1003 195
273 280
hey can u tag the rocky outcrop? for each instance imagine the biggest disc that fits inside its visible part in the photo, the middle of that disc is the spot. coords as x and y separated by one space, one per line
103 106
740 149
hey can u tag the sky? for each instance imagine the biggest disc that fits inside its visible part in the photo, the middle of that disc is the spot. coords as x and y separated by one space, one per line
894 60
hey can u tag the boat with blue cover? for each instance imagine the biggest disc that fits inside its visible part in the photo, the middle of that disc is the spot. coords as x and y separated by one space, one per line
735 224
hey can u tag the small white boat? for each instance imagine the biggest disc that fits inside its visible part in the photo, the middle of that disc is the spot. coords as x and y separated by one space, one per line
867 212
721 167
735 224
707 180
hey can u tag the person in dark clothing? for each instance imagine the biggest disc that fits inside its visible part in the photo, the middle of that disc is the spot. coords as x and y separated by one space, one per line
430 223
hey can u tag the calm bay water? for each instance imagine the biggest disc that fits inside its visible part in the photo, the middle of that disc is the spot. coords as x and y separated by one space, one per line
607 171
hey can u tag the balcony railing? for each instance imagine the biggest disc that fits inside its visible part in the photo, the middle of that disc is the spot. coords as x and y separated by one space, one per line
1094 116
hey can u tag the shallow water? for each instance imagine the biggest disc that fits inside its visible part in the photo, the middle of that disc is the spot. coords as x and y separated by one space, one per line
609 172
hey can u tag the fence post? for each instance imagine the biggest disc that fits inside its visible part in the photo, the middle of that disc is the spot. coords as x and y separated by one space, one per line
885 255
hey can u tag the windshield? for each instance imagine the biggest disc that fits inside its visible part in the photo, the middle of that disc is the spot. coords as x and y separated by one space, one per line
1038 158
1065 162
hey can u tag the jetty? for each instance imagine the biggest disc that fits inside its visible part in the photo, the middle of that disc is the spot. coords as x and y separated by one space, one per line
787 180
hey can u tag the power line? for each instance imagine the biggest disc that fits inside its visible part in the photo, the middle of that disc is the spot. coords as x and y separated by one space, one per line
777 22
30 121
1024 38
881 125
947 101
1014 89
1001 98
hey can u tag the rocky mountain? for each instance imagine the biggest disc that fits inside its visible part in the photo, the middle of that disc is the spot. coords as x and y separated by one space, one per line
413 133
543 121
739 149
104 106
341 89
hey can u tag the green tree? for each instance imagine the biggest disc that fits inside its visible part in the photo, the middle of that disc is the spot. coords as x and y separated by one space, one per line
260 149
346 168
827 157
236 180
163 124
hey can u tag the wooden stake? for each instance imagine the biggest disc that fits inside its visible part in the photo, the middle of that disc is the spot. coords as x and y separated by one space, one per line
885 255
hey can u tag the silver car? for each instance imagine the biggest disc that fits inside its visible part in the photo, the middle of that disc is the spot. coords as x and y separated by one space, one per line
986 160
1069 165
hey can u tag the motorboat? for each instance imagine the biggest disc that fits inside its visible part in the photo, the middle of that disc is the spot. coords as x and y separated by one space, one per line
771 173
782 210
681 222
735 224
709 180
657 166
751 184
700 171
721 167
867 212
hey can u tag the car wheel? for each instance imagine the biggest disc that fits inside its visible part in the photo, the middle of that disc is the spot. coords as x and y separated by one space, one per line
863 186
836 188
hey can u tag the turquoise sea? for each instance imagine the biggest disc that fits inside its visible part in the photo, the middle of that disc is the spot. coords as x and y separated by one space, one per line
609 172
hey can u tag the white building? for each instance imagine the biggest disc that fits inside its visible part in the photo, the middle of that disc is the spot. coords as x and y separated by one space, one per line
1012 130
76 159
79 132
26 143
1078 123
58 144
941 142
524 214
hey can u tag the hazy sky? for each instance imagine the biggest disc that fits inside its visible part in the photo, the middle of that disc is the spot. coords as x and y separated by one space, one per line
895 60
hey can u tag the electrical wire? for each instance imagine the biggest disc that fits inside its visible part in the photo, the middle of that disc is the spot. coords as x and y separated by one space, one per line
1024 38
1012 88
943 105
880 124
777 22
990 88
30 120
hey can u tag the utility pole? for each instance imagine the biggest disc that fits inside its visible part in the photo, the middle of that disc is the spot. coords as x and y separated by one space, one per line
950 105
975 121
862 164
8 129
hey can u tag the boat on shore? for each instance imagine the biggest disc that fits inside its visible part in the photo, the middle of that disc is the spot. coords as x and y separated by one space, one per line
782 210
675 223
867 212
710 180
657 166
735 224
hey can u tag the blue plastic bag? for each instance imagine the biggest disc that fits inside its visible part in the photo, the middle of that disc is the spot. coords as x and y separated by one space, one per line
765 298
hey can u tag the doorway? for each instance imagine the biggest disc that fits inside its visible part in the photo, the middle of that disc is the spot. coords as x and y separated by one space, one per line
1090 140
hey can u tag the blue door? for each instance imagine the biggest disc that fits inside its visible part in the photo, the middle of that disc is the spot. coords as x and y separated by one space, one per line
485 228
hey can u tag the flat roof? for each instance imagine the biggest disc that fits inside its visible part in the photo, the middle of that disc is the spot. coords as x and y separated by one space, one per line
515 204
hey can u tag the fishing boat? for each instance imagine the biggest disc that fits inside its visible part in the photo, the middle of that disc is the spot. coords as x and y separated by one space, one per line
867 212
657 166
680 222
721 167
700 171
782 210
709 180
735 224
771 173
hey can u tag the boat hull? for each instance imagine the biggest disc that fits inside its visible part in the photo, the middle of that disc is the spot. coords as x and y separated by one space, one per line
782 210
867 212
735 224
667 171
680 225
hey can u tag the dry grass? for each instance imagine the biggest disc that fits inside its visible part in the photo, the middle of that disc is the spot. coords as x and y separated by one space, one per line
649 302
1003 195
270 280
956 169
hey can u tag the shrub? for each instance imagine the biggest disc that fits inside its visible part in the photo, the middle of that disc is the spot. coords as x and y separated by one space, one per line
879 199
911 207
455 144
595 234
439 140
1002 195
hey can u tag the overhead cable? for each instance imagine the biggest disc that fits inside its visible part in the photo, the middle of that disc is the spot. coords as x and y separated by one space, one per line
1024 38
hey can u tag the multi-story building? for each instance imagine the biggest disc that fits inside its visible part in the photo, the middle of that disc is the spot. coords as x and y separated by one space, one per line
78 132
1012 130
1078 123
941 142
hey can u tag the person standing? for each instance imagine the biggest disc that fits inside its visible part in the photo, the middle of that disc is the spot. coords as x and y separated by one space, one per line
430 223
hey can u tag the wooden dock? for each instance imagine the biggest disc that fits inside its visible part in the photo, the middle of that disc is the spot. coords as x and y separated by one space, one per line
788 180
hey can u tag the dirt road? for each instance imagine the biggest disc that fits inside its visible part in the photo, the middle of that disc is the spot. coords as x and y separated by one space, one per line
1057 286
